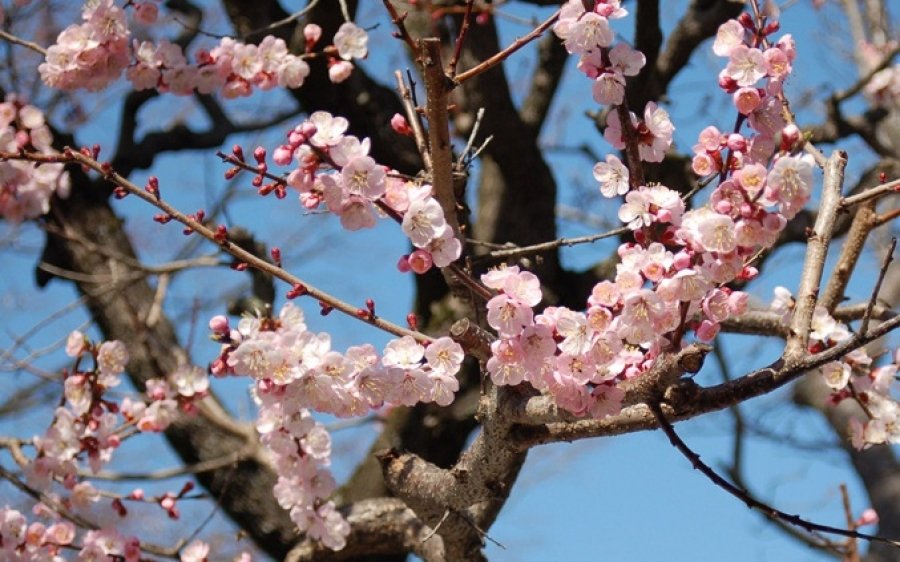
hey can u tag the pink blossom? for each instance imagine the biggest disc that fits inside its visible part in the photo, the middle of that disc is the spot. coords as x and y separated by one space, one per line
626 60
445 249
444 356
420 261
196 551
836 374
505 364
576 333
444 388
189 380
746 100
75 344
715 233
767 118
508 315
609 88
423 222
604 293
729 36
704 165
351 41
707 331
291 72
362 176
868 517
790 182
612 175
146 12
312 33
588 32
655 133
783 304
112 357
329 130
746 65
607 401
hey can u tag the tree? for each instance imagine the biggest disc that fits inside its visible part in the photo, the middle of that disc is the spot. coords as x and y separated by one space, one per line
507 348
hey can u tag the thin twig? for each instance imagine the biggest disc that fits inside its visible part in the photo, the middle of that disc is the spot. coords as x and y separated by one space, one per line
505 53
553 244
852 550
888 258
751 502
175 472
465 157
398 20
864 80
435 529
883 189
460 38
18 41
817 250
243 256
415 121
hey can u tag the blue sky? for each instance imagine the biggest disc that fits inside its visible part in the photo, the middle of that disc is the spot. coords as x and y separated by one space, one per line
626 498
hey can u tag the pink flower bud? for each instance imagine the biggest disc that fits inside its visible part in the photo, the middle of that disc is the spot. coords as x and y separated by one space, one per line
312 33
308 129
132 550
310 200
737 301
60 533
746 100
727 83
707 331
723 206
34 535
219 324
420 261
868 517
146 12
167 502
737 142
789 136
218 367
703 164
403 264
749 272
259 153
400 126
682 260
340 71
282 155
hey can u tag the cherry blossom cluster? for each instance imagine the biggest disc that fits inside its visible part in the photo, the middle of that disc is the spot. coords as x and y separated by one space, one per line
883 89
21 541
672 278
852 377
88 423
296 371
588 35
93 54
26 189
300 448
335 170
